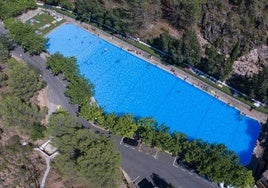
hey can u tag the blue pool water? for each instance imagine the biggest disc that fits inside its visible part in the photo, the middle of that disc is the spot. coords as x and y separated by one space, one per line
127 84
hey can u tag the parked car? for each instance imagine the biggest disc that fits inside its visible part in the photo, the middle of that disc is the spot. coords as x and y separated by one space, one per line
130 141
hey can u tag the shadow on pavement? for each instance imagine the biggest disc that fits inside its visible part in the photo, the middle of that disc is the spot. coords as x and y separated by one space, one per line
144 183
160 182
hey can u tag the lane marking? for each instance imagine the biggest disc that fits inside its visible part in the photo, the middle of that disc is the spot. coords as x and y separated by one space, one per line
121 140
175 162
155 155
135 179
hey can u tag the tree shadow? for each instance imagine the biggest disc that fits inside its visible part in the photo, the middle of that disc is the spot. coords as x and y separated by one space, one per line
160 182
144 183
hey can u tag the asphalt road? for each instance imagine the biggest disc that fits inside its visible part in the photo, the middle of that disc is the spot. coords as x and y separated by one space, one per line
135 163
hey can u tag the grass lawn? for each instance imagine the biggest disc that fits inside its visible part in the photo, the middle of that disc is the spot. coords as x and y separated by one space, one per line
44 22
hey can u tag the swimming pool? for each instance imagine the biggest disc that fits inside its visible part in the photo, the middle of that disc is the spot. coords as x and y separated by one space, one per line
127 84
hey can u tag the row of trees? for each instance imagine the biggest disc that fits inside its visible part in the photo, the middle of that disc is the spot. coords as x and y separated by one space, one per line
84 154
213 161
197 154
25 36
188 51
68 67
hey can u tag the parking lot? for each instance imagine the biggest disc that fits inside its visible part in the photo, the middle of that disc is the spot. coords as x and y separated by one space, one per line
167 165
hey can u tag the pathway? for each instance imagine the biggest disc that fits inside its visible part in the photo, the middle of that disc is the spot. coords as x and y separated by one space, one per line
42 185
48 159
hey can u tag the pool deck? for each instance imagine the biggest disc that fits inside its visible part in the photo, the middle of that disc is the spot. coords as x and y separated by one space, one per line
242 107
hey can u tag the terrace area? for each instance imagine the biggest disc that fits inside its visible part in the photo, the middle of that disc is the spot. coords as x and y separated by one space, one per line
42 20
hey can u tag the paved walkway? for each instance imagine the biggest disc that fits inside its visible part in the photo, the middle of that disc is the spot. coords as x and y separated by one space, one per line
42 185
48 159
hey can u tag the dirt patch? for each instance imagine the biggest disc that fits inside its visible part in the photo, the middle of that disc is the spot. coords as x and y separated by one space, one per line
54 180
155 29
42 97
7 133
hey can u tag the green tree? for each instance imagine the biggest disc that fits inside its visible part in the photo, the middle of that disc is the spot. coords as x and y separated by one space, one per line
66 4
84 87
37 131
16 73
58 64
4 54
146 129
15 112
178 143
68 67
99 161
183 13
25 36
162 138
110 121
126 125
191 48
235 52
259 85
256 87
171 47
5 47
62 127
14 8
3 78
215 64
92 113
245 177
87 155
